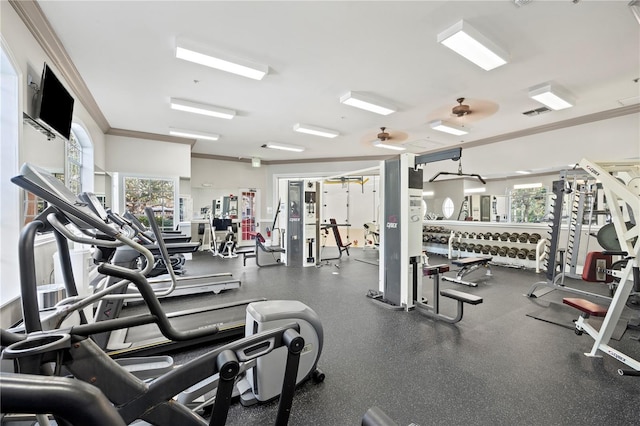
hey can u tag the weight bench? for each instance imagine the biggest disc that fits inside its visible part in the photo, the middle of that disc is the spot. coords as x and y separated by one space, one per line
468 265
433 311
336 234
248 254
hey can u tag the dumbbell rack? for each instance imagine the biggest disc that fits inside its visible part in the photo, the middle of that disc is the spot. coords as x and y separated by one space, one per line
522 250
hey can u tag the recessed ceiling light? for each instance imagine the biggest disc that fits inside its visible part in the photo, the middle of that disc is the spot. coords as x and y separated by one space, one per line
379 144
523 172
200 55
444 126
474 190
468 42
203 109
283 147
427 193
528 185
553 97
313 130
368 103
194 134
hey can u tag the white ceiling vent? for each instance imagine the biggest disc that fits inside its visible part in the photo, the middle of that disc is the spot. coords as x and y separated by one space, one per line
536 111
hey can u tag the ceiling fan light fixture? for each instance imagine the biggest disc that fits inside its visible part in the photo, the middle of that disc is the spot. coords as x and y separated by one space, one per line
203 109
468 42
379 144
368 103
193 134
452 129
193 53
314 130
283 147
552 96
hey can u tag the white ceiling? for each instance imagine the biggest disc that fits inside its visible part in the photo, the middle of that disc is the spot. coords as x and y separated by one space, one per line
317 51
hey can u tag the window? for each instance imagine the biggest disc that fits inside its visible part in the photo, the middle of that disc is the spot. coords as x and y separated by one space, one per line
447 207
529 205
157 193
73 166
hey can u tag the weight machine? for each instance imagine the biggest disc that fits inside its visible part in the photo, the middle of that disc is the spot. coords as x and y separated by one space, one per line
401 259
623 198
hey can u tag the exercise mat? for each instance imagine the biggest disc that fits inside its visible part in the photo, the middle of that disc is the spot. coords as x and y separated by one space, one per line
564 316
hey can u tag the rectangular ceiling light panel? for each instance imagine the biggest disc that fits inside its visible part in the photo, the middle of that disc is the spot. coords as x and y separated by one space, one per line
528 186
283 147
316 131
452 129
474 190
194 134
200 55
553 97
203 109
379 144
468 42
367 103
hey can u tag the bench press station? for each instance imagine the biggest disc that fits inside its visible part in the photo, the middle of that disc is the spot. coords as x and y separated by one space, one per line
468 265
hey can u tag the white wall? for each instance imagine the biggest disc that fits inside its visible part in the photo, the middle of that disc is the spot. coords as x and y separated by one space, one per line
147 157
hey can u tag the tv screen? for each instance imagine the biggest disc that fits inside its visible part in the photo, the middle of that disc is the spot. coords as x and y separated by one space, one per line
54 104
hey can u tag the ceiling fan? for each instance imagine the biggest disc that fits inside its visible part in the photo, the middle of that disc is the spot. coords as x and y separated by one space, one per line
461 110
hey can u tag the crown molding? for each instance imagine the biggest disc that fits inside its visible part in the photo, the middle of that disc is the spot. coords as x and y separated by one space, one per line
33 17
149 136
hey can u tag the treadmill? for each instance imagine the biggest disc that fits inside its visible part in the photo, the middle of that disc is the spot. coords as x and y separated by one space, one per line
165 287
224 322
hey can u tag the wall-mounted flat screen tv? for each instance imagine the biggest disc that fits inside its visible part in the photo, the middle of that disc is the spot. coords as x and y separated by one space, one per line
54 104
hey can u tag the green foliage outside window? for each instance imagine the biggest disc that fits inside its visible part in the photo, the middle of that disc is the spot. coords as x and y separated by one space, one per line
529 205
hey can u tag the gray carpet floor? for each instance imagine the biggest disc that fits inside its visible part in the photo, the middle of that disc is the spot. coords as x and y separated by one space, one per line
498 366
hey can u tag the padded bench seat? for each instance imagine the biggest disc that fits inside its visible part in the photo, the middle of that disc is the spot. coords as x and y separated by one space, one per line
589 308
470 261
461 296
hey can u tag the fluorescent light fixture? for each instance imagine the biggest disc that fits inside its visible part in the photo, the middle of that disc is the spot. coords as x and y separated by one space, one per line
447 127
635 9
528 185
255 162
366 102
283 147
553 97
474 190
427 193
194 134
192 53
466 41
313 130
204 109
523 172
379 144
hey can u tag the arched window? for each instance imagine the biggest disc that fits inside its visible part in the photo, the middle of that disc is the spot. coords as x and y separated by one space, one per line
73 164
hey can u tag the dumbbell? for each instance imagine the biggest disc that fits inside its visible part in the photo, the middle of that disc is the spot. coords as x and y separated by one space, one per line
502 251
488 235
463 246
534 238
522 253
496 236
470 247
478 248
504 236
455 245
443 240
494 250
524 237
531 255
514 237
486 249
512 252
472 235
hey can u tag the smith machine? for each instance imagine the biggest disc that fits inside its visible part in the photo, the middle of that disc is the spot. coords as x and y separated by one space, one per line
401 260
